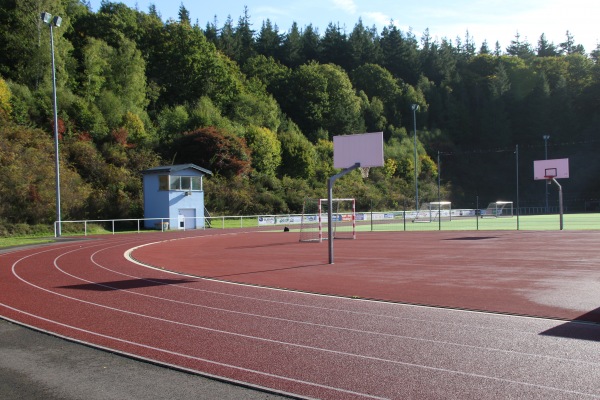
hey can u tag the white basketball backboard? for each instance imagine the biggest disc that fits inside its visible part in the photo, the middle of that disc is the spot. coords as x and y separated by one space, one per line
364 148
547 169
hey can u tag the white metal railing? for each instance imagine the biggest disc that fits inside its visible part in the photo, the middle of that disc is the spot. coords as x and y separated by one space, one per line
374 218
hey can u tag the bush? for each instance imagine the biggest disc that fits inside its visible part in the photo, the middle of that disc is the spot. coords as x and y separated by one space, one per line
17 230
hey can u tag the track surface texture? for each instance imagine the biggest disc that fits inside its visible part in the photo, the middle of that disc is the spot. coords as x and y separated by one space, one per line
469 315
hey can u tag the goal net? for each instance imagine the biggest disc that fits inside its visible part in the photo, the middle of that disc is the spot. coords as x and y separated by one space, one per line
434 211
497 209
314 226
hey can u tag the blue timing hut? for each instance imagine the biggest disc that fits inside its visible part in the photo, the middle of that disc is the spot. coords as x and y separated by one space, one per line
174 197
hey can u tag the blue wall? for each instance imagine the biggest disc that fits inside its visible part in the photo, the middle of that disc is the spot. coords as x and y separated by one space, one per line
167 203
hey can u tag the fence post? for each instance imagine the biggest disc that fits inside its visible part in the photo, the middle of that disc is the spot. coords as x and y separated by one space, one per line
477 212
404 215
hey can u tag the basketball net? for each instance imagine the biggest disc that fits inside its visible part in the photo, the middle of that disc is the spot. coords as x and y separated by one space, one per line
364 171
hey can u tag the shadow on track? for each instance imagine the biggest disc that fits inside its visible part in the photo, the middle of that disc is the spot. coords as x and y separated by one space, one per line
126 284
585 327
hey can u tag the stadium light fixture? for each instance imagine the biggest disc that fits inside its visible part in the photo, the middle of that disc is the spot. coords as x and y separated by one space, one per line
54 22
415 107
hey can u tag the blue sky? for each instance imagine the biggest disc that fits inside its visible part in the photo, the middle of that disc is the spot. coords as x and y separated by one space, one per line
491 20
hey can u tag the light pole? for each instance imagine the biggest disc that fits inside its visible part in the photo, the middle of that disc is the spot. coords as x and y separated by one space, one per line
546 137
51 22
415 107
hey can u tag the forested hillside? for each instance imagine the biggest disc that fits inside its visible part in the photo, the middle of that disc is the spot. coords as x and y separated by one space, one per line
259 107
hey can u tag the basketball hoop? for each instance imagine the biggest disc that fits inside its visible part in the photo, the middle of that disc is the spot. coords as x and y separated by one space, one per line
550 174
364 171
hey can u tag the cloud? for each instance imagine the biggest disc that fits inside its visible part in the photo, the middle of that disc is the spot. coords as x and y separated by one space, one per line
347 5
379 18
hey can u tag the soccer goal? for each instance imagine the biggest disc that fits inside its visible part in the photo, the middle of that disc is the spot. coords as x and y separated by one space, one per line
313 226
434 211
497 209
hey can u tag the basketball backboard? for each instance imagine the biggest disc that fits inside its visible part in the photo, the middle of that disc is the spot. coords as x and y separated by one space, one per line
546 169
364 148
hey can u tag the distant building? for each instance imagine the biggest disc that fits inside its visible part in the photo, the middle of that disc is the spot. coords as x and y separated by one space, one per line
174 196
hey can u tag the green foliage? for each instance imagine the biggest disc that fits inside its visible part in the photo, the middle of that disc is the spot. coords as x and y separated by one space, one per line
27 192
172 122
131 87
297 151
266 149
321 97
256 108
5 100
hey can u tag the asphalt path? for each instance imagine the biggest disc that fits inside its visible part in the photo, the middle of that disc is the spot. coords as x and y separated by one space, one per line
39 366
286 342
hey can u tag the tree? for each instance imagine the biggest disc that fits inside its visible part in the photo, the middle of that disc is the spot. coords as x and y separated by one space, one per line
485 49
569 47
184 15
291 50
545 48
518 48
269 41
311 44
378 83
400 54
343 110
5 98
186 67
298 154
270 73
363 44
322 101
226 42
211 32
220 151
266 149
25 43
172 122
335 48
243 37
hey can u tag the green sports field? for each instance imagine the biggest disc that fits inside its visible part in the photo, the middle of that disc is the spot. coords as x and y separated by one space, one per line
526 222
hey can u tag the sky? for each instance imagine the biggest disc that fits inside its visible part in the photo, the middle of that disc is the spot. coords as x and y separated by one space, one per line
490 20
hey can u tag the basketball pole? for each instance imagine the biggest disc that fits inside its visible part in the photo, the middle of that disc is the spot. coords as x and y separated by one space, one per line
560 201
330 183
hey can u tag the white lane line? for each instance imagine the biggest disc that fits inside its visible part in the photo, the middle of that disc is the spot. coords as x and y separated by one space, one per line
305 347
187 356
312 324
128 256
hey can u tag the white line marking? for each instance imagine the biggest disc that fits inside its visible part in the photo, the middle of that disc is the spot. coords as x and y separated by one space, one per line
305 347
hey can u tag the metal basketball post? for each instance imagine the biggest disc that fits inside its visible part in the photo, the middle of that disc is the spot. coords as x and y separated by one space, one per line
330 183
560 201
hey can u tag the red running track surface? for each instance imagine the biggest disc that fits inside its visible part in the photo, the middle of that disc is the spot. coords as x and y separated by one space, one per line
328 347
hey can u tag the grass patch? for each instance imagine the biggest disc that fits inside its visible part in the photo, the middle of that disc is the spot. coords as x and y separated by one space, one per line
13 242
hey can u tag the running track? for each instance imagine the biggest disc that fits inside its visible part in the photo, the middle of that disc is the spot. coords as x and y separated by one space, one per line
310 346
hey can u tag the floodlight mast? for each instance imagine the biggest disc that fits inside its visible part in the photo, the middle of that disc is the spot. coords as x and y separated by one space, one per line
415 107
56 21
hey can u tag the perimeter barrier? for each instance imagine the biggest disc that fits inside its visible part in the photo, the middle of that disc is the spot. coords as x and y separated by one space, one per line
462 219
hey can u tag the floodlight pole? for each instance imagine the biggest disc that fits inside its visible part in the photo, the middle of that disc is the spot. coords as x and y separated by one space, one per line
330 183
439 198
415 107
47 19
546 137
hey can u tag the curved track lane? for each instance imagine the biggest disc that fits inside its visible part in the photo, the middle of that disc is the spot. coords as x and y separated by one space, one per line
289 342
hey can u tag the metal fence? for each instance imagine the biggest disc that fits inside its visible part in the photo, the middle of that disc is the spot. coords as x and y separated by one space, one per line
393 220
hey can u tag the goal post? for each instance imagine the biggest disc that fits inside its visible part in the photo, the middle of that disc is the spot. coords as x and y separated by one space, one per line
434 211
314 226
498 209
